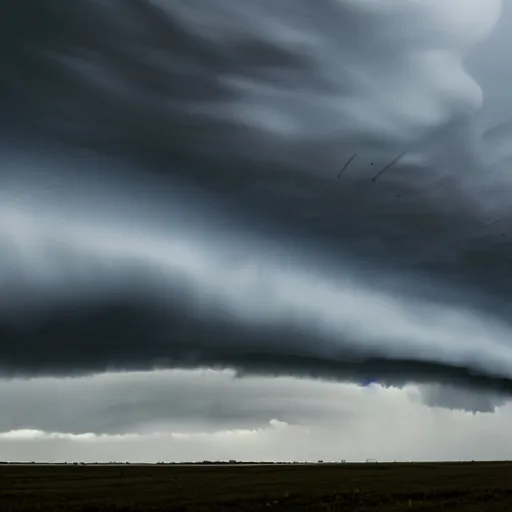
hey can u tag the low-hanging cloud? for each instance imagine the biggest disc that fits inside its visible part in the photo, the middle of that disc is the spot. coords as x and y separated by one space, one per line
143 302
381 424
255 107
205 400
182 400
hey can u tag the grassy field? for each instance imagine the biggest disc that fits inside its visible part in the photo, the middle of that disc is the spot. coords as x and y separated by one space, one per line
356 487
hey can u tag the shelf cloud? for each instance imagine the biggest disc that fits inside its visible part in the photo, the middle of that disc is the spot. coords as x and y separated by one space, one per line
171 196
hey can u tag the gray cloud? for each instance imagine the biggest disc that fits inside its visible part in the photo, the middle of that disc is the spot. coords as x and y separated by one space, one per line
386 424
248 112
99 299
456 398
206 401
176 400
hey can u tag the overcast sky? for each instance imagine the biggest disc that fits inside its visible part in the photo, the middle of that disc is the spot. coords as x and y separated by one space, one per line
184 273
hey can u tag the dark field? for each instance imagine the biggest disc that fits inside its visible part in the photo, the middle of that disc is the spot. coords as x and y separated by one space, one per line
329 487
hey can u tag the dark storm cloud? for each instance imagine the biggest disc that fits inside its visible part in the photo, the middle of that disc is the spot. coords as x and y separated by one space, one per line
88 297
260 105
459 399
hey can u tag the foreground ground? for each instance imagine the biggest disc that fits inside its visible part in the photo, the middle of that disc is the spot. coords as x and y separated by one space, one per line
359 487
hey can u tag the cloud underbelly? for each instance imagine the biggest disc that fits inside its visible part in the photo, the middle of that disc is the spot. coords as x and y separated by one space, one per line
84 298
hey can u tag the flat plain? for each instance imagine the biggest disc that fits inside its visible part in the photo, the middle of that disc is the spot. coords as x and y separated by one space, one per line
383 487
